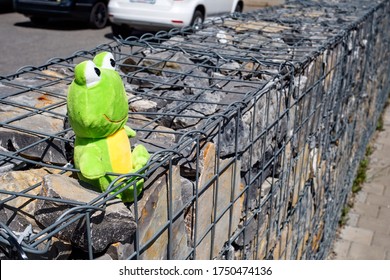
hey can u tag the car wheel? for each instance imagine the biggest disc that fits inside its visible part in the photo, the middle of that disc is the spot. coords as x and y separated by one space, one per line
39 20
99 15
238 8
197 20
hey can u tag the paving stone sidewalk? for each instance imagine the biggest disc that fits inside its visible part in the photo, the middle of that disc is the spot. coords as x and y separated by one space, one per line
366 236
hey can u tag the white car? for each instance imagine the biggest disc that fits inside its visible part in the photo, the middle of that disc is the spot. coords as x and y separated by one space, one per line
166 14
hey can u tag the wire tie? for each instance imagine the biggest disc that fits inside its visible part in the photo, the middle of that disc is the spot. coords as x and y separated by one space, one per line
26 233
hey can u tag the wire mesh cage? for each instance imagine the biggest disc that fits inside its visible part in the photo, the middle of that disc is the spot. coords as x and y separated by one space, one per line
255 123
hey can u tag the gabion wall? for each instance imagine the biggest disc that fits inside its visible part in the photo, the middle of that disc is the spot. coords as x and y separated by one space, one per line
256 124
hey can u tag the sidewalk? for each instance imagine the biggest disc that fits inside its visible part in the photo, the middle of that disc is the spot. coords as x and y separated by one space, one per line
366 235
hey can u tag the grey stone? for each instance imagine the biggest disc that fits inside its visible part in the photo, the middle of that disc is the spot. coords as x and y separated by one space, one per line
204 60
187 190
172 41
236 88
265 111
142 105
229 68
129 65
256 226
260 172
152 135
58 250
146 81
252 42
31 99
21 229
50 151
119 251
15 221
207 103
153 209
17 213
172 65
191 113
7 90
8 163
57 71
223 37
187 118
197 81
261 113
19 182
155 62
226 188
116 223
14 137
226 141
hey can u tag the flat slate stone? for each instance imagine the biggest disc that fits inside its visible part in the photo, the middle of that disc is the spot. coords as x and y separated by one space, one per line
154 207
115 224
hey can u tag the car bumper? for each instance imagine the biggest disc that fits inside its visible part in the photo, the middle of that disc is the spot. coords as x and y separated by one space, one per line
163 19
53 9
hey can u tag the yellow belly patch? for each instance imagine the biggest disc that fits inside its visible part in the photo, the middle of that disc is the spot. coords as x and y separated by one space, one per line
120 152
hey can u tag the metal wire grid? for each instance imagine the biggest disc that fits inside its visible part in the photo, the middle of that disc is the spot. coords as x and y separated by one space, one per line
275 49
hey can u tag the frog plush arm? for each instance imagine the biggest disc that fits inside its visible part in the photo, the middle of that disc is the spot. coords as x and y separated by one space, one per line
129 132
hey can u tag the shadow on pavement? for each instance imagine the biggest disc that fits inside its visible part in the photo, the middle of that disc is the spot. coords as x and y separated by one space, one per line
56 24
6 6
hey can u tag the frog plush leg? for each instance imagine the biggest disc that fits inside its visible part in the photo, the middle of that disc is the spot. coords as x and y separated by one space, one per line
129 132
90 163
140 157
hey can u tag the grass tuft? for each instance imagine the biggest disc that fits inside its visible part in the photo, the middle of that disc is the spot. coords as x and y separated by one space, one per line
344 215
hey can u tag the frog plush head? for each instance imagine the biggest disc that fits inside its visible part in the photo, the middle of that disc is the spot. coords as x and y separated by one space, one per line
98 111
97 104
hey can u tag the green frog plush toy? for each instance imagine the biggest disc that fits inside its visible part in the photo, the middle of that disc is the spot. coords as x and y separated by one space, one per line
98 111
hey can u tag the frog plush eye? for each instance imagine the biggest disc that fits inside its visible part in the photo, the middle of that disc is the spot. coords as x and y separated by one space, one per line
105 60
92 74
87 73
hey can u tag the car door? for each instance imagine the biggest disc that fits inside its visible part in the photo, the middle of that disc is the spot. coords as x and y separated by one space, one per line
218 7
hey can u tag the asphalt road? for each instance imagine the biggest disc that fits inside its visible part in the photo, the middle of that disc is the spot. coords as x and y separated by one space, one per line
23 43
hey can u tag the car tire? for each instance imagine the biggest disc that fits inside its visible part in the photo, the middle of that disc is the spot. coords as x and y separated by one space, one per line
98 17
197 20
39 20
238 8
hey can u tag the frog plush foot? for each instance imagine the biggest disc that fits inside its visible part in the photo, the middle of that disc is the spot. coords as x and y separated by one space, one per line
128 195
140 157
